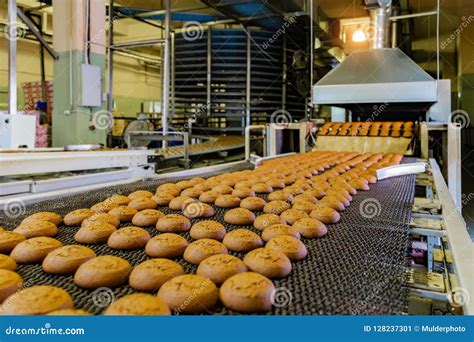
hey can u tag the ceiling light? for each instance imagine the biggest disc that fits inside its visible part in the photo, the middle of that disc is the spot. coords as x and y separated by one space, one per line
359 36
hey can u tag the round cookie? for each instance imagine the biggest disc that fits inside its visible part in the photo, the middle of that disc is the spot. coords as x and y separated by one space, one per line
276 184
102 271
94 232
317 192
253 203
243 193
103 207
128 238
170 188
331 202
173 223
227 201
167 245
223 189
209 196
262 188
280 196
293 248
189 293
220 267
243 185
179 202
184 184
123 213
276 207
10 282
279 229
67 259
198 209
242 240
292 215
302 205
247 292
147 218
268 262
207 230
34 250
200 249
8 240
326 215
306 197
45 216
191 192
101 217
163 199
140 194
75 217
69 312
138 304
143 203
266 220
118 199
7 263
239 216
151 274
33 229
37 300
310 228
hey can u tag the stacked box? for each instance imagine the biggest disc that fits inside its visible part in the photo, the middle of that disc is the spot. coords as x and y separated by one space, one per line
32 92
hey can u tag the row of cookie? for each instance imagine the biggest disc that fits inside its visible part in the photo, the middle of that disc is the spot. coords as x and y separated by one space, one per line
383 129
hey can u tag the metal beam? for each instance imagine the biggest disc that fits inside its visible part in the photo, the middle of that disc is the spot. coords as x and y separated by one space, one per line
166 72
12 90
149 42
110 58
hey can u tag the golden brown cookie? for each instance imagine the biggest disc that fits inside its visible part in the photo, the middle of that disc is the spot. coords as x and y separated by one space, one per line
189 293
209 196
198 209
276 207
279 229
94 232
239 216
151 274
102 271
37 300
34 250
10 282
242 240
191 192
200 249
33 229
294 190
173 223
247 292
262 188
101 217
163 199
292 247
143 203
45 216
268 262
170 188
305 197
266 220
331 202
103 207
227 201
138 304
219 267
178 203
317 192
167 245
243 193
325 214
128 238
7 263
280 196
207 230
140 194
69 312
253 203
123 213
67 259
147 218
75 217
223 189
184 184
310 228
275 183
303 205
359 184
118 199
292 215
243 185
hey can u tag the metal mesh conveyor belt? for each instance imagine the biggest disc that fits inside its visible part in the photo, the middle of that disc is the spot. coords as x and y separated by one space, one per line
360 267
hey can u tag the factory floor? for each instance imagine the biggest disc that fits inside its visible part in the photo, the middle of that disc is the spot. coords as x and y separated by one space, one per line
468 189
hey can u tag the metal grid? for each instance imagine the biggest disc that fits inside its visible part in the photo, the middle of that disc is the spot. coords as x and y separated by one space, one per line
360 267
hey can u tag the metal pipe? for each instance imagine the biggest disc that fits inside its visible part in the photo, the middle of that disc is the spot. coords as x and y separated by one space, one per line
209 71
12 91
379 20
414 15
394 27
110 57
149 42
166 71
311 53
248 81
173 76
437 40
284 76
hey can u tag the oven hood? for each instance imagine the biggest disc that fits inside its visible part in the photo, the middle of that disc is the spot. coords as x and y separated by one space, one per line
374 76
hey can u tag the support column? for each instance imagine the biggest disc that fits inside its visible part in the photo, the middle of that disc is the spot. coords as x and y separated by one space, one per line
78 104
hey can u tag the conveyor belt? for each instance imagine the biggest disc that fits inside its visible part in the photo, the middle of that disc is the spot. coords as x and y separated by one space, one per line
360 267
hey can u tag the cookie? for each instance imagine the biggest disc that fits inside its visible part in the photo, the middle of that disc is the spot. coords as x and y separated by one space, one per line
268 262
198 209
7 263
325 214
184 184
8 240
128 238
292 215
143 203
243 185
275 184
262 188
147 218
67 259
163 199
317 192
189 293
360 184
279 229
101 217
247 292
170 188
178 203
75 217
266 220
118 199
200 249
310 228
10 282
191 192
209 196
239 216
123 213
94 232
253 203
34 250
276 207
294 190
303 205
223 189
69 312
167 245
103 207
37 300
173 223
331 202
305 197
227 201
151 274
207 230
138 304
45 216
280 196
102 271
242 240
140 194
243 193
292 247
220 267
33 229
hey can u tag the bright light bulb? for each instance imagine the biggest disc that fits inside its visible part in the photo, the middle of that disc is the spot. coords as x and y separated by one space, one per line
359 36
